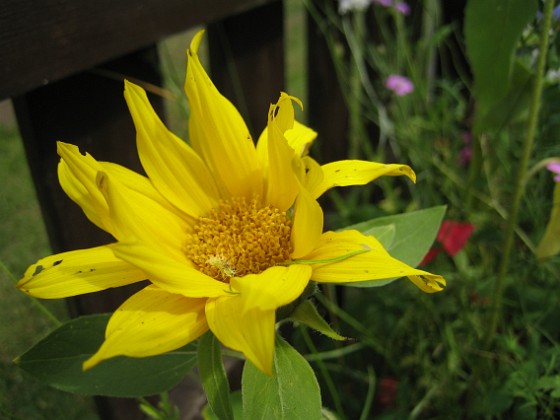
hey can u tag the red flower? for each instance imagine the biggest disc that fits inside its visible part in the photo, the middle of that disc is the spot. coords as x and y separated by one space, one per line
452 237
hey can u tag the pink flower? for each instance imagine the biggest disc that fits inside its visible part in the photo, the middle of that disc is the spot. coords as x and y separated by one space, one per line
554 167
465 154
402 8
399 84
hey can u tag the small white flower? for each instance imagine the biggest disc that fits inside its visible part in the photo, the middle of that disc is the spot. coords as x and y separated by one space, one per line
345 6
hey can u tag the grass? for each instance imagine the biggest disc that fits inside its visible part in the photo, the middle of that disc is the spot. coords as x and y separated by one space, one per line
22 241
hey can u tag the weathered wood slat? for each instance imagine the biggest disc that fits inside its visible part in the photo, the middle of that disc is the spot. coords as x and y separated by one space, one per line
42 41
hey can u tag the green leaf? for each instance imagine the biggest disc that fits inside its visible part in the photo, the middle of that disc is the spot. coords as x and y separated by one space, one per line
384 234
292 392
306 313
57 360
236 404
514 105
214 379
492 30
550 242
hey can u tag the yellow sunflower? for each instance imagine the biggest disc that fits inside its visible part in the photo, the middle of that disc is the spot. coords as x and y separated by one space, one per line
225 232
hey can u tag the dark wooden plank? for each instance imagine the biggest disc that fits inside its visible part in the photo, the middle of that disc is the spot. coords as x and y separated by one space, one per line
247 61
87 110
42 41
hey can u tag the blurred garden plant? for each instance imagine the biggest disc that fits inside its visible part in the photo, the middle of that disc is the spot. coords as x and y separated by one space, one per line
472 105
230 237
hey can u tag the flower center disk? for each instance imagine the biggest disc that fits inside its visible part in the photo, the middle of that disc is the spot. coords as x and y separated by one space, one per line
239 237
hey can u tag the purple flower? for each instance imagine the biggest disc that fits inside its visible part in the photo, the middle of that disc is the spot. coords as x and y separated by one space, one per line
399 84
554 167
465 154
402 8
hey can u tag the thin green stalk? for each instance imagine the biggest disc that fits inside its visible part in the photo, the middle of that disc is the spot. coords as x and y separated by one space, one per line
521 176
326 375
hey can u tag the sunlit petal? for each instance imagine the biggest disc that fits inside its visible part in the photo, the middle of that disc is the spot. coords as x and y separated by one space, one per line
219 134
282 185
273 288
250 332
175 169
300 138
77 174
356 172
138 216
174 275
375 264
78 272
151 322
307 225
311 173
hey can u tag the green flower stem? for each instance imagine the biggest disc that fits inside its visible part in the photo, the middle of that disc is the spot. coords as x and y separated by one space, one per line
521 176
326 375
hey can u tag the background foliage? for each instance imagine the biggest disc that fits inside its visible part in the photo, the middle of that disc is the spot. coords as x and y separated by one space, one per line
462 130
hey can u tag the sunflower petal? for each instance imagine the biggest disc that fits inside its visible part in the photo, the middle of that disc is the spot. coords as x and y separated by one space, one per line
376 264
177 172
282 185
169 273
137 216
219 134
356 172
78 272
76 174
250 332
300 138
151 322
273 288
307 225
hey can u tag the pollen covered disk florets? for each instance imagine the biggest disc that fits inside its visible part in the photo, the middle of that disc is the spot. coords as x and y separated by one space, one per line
239 237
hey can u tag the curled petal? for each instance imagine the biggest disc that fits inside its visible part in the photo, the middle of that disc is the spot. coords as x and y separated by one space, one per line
300 138
282 185
77 174
375 264
78 272
356 172
151 322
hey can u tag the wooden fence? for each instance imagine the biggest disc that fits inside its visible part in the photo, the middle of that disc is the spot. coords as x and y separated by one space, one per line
48 49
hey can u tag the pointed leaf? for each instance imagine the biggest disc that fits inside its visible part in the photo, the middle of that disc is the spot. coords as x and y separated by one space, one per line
292 392
214 379
57 360
306 313
384 234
